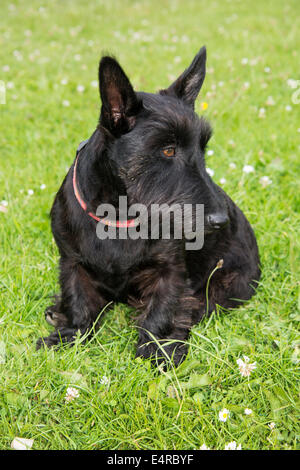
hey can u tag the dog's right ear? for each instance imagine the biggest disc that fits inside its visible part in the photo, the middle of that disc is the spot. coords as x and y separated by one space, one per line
120 104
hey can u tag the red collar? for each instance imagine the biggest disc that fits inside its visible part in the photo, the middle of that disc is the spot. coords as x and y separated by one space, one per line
105 221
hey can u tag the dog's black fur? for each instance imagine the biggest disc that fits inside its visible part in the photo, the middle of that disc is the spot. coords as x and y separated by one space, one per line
166 283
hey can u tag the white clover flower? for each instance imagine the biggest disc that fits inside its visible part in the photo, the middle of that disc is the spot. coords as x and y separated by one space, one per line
265 181
245 367
248 411
210 152
204 447
224 415
94 83
104 380
262 113
66 103
6 68
244 61
80 88
246 85
210 171
10 85
288 107
185 39
232 165
30 192
267 69
64 81
232 446
71 394
20 443
43 186
248 169
4 203
222 180
270 101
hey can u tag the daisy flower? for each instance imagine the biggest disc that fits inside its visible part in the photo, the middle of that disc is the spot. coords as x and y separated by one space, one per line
210 171
245 367
210 152
224 415
80 88
248 411
272 425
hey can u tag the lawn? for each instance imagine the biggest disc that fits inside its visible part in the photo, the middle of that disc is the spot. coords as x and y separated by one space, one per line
49 59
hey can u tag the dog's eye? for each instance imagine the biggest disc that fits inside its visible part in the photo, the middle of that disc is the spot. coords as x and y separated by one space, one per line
169 152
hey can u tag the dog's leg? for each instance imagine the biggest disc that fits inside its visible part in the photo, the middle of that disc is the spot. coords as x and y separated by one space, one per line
79 305
53 314
169 310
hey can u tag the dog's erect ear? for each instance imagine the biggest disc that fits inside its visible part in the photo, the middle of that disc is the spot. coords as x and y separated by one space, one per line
120 104
188 85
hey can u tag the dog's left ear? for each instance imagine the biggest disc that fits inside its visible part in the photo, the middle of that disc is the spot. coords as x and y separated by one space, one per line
188 85
120 104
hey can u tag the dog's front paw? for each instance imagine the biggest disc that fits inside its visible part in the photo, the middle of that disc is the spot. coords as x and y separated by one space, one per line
46 342
57 338
162 353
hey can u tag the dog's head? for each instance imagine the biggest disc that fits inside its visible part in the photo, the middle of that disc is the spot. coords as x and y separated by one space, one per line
158 142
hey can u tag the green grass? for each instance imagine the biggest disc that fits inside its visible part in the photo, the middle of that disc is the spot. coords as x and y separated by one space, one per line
140 408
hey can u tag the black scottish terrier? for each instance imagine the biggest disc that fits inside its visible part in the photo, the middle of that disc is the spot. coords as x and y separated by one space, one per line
150 148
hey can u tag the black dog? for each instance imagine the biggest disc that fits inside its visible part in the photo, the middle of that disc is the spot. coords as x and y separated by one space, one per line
150 148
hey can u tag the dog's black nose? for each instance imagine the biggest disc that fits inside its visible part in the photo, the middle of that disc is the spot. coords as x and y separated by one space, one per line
217 221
